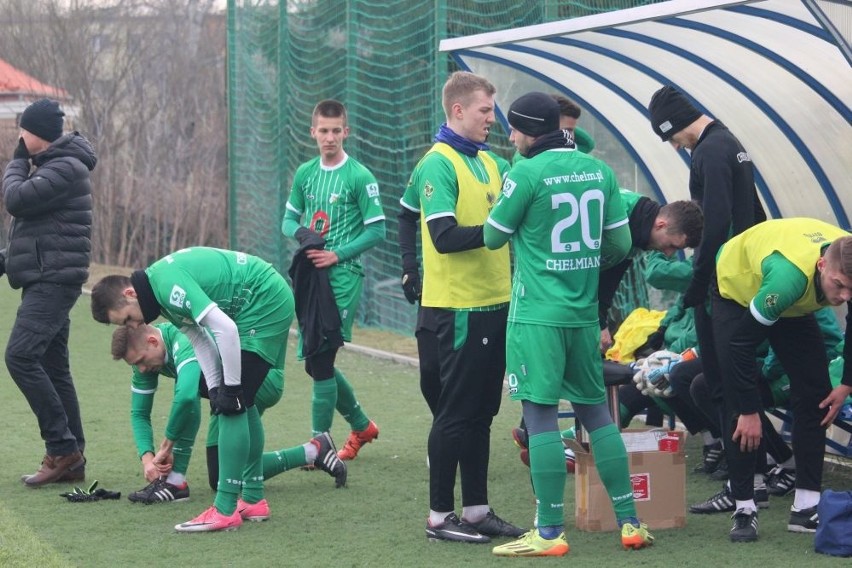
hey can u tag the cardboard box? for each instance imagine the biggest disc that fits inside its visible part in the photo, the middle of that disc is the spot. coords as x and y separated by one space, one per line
659 484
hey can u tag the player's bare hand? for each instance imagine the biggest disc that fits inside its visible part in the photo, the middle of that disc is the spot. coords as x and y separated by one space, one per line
748 432
606 340
322 258
149 468
834 402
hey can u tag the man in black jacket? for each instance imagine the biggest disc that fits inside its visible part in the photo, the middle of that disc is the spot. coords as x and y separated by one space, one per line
721 178
46 189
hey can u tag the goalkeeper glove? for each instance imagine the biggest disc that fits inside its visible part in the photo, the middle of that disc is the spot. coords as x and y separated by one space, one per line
657 379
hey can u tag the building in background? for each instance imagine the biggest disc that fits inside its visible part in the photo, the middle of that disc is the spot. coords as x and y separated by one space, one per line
17 91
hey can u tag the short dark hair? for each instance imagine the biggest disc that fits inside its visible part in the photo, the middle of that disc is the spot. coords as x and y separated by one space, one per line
107 296
839 252
686 218
329 108
567 107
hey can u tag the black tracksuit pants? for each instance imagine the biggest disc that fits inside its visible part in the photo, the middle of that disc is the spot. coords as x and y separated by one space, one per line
471 356
799 345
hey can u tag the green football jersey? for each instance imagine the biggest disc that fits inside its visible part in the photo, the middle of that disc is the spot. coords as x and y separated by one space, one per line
189 283
179 364
336 202
557 205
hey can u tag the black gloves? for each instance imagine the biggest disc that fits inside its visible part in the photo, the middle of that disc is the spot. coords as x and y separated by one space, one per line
309 239
653 343
21 152
411 286
694 296
90 494
227 400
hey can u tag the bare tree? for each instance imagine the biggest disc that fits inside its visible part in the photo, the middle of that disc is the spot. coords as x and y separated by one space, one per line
148 80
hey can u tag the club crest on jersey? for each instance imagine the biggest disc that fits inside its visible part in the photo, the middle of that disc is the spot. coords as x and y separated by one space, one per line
770 301
428 190
177 297
334 198
489 197
372 190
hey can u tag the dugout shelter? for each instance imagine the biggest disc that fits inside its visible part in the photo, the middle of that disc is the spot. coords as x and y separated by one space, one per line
777 72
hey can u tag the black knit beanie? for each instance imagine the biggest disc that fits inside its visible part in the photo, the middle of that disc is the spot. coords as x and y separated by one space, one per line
44 119
671 112
534 114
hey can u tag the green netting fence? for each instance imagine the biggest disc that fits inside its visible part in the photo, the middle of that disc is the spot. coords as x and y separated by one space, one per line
381 59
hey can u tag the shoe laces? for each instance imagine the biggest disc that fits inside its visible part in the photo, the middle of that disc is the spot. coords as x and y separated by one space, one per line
722 494
208 515
743 518
354 442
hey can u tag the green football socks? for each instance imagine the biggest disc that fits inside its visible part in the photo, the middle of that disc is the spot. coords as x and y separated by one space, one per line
253 476
613 468
323 403
547 467
283 460
233 455
347 404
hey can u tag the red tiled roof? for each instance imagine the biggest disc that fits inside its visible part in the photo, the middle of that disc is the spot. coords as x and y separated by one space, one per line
15 81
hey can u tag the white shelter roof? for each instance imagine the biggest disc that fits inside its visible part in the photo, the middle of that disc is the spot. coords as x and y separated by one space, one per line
777 72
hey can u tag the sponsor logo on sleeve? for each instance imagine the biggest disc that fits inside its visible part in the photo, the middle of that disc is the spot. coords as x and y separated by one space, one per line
177 297
372 190
508 187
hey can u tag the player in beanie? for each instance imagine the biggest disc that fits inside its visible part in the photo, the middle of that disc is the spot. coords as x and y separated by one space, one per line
47 190
721 179
569 114
564 229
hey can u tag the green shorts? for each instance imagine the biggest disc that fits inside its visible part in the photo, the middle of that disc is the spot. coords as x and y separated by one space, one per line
270 391
546 364
347 287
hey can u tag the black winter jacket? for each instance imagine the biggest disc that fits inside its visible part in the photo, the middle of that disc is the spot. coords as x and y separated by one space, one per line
316 309
50 236
721 179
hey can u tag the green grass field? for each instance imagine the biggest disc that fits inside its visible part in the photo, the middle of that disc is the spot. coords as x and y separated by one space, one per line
377 521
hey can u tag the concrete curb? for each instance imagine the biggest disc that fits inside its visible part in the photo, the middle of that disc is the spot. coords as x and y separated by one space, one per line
372 352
